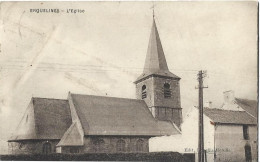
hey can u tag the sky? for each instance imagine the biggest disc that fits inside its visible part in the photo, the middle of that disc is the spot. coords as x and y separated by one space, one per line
102 51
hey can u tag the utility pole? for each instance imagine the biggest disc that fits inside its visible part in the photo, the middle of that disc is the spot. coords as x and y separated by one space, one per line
201 75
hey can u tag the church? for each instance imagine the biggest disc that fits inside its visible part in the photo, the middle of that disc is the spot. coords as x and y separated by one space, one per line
99 124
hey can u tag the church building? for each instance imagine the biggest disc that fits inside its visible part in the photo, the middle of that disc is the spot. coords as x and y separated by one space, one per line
100 124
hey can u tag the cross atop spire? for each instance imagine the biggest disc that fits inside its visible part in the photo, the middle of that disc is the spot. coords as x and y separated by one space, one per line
153 11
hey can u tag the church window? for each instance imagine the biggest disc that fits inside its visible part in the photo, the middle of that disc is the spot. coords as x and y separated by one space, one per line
139 145
120 145
21 145
144 92
99 145
46 148
74 150
167 90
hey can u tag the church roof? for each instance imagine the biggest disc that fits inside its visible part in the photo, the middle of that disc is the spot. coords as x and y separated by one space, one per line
155 63
51 119
118 116
72 137
44 119
249 106
229 117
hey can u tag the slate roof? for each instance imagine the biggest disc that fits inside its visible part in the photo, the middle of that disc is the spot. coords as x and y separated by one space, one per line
155 63
249 106
118 116
229 117
44 119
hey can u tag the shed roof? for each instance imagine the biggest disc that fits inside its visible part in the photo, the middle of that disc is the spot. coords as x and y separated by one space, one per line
44 119
229 117
249 106
118 116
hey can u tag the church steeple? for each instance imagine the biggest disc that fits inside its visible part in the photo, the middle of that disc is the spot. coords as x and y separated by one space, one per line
157 86
155 62
155 59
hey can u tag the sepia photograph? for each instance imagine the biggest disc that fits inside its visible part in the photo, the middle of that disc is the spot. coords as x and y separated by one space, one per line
129 81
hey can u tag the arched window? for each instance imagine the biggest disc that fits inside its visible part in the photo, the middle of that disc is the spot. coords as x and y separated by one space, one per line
99 145
144 92
120 145
74 150
21 144
167 90
46 148
139 145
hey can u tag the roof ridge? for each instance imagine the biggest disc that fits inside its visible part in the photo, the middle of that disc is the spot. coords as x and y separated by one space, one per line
106 96
49 98
245 99
218 109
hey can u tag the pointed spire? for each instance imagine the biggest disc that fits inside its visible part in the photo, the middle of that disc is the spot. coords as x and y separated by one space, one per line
155 62
155 59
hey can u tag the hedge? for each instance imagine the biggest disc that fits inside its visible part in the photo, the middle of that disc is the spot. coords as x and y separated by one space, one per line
152 156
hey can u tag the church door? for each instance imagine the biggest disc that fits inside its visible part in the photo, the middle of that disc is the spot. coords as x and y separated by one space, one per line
46 148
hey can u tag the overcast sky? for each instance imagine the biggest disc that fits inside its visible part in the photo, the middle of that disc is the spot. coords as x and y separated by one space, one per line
102 51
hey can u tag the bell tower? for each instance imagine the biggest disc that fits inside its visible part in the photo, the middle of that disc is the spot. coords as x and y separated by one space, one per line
157 86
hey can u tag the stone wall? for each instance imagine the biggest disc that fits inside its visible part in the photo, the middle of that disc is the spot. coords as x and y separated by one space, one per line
109 145
30 147
162 108
166 114
149 100
160 100
155 93
91 145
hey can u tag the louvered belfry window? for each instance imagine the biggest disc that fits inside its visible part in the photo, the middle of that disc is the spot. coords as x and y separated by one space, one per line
144 95
167 90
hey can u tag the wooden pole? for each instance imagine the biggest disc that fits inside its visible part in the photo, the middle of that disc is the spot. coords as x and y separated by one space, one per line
201 155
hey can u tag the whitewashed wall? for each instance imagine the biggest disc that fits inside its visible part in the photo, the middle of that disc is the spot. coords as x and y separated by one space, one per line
187 142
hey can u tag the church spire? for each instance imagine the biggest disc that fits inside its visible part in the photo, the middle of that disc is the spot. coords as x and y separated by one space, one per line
157 86
155 59
155 62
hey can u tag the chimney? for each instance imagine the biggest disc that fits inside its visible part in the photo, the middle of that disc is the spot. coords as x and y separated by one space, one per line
229 96
208 104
